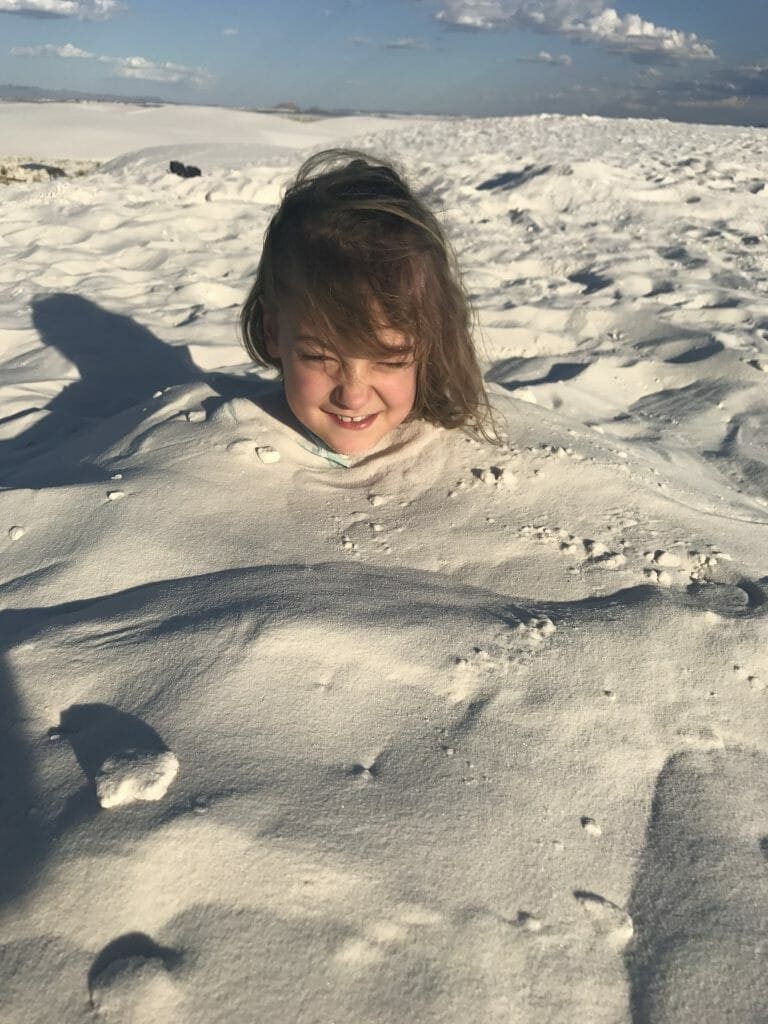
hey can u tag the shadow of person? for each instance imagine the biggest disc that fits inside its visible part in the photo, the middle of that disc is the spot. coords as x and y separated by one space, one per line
700 898
21 835
120 364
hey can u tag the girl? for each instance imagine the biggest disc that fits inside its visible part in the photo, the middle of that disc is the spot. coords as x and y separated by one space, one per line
357 303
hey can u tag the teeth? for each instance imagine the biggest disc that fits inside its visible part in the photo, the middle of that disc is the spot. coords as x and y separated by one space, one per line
351 419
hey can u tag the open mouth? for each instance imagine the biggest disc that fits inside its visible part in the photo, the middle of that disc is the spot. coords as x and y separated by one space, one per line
353 422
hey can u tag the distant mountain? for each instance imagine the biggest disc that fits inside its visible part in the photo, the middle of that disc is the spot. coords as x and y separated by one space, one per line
32 94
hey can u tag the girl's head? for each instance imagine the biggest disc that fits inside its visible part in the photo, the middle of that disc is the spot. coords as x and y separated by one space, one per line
357 301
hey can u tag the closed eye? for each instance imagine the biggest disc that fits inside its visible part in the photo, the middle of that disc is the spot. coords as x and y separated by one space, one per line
314 357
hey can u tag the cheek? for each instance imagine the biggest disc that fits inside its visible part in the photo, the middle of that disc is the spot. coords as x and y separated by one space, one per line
408 390
304 382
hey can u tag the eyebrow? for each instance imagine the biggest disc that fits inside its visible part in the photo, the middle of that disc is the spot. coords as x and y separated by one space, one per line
311 339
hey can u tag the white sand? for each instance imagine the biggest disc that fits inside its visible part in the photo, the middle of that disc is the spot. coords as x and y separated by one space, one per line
463 734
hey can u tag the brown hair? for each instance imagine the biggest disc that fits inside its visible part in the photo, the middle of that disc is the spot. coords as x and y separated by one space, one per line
351 250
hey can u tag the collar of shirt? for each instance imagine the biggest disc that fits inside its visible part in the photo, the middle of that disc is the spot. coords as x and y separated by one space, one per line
318 447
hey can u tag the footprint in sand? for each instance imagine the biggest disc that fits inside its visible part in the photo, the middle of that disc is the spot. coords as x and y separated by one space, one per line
131 982
726 600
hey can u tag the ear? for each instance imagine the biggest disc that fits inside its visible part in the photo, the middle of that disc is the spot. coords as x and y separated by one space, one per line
269 327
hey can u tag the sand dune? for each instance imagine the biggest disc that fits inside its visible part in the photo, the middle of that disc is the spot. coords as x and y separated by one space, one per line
463 733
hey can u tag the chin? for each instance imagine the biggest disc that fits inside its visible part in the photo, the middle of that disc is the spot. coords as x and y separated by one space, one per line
359 447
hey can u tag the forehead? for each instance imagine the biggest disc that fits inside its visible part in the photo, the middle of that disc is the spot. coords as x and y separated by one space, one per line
293 328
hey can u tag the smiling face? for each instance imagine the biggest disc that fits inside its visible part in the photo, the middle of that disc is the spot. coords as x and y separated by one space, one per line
350 403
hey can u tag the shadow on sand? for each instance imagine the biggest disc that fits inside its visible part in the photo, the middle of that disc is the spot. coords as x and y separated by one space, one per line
120 364
20 836
700 898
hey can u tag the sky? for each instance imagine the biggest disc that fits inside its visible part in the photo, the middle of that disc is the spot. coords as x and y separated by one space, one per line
692 60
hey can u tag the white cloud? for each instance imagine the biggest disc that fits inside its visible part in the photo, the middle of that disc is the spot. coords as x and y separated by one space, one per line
230 31
721 89
405 44
585 21
49 50
125 67
544 57
167 71
85 10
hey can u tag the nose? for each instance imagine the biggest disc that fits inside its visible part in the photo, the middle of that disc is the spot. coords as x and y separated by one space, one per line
352 389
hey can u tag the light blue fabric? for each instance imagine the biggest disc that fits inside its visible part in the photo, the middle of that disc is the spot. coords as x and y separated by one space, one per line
318 447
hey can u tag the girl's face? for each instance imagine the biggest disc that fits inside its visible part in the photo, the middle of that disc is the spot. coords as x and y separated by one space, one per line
350 403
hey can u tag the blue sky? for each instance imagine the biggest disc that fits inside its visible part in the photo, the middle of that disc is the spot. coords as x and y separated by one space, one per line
697 60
